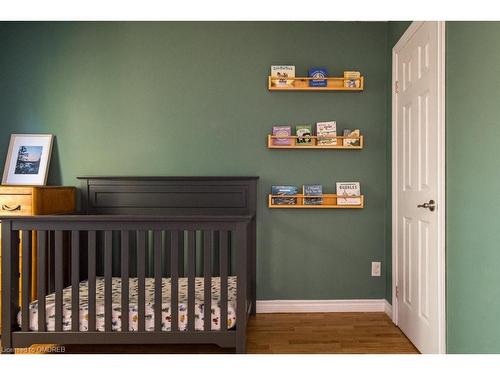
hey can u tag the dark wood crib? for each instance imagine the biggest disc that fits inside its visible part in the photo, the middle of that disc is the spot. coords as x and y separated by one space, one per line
138 261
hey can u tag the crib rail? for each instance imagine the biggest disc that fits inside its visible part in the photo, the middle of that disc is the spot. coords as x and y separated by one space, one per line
71 249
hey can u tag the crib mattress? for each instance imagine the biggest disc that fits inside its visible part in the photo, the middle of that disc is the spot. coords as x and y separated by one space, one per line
133 306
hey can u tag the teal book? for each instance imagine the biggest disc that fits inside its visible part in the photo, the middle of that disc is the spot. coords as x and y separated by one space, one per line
283 191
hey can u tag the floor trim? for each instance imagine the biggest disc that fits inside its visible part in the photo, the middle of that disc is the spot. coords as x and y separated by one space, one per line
333 305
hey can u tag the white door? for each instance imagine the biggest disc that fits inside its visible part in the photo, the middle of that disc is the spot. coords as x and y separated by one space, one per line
418 185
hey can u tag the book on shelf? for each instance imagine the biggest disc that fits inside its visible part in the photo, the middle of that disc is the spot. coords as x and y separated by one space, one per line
283 191
355 141
352 83
281 74
327 129
348 193
311 191
303 133
352 79
351 74
283 132
319 74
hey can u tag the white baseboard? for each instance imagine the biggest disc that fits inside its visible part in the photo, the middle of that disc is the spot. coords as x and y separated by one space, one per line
336 305
388 308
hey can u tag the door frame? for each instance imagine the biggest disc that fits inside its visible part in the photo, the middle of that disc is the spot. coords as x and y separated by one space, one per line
441 192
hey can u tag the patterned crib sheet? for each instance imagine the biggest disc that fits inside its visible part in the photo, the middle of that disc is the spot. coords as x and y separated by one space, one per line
133 306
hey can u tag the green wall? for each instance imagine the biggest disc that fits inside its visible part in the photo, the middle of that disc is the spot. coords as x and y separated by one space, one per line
473 183
191 99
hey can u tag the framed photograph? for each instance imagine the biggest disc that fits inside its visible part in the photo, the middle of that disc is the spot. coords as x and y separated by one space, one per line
28 159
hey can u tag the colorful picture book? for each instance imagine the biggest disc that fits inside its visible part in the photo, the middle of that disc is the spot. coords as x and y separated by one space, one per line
283 191
318 73
282 73
313 190
304 133
326 129
352 74
282 131
352 141
352 79
348 193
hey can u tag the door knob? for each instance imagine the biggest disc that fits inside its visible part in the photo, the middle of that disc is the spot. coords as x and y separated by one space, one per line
431 205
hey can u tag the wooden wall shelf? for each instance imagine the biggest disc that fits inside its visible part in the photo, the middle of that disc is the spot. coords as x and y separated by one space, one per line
314 146
302 84
329 201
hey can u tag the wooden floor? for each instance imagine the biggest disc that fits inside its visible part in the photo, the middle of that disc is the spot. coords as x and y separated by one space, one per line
295 333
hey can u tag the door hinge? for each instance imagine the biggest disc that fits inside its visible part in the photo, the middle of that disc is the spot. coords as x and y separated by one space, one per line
396 87
397 291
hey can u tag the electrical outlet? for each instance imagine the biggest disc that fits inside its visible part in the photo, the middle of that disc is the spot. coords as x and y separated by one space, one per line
375 268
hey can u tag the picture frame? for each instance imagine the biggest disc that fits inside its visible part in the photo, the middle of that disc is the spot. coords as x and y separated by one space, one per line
28 159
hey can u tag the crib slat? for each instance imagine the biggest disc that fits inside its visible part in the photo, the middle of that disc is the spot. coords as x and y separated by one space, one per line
125 280
181 254
141 284
224 262
26 277
58 269
174 280
75 280
108 269
42 279
166 255
207 272
157 271
92 279
191 272
216 251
